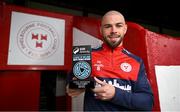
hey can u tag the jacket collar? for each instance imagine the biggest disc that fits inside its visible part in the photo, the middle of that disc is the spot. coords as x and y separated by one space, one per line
107 48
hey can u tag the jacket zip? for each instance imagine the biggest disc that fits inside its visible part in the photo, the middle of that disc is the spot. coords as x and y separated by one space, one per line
112 63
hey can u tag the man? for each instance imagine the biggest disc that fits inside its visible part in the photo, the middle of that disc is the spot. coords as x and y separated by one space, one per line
121 81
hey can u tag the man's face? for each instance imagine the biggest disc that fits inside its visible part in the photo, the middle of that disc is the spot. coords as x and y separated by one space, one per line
113 29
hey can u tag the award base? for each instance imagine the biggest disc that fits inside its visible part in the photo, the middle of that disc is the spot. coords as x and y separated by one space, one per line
81 84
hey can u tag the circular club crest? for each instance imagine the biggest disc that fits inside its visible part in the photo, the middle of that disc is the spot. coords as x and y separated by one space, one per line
126 67
37 40
82 70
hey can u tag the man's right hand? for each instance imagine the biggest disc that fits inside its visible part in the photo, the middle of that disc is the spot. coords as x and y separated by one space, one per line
73 92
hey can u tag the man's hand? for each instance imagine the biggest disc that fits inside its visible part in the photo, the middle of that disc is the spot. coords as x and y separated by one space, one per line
73 92
105 92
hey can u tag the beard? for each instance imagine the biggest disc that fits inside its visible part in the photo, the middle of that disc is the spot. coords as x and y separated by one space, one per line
113 44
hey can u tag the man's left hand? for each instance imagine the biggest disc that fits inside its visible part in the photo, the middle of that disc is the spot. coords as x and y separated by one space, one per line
105 91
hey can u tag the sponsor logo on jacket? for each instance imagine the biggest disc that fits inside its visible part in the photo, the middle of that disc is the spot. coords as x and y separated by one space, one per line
116 84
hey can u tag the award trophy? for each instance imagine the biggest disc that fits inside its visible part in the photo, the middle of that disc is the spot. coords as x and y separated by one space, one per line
81 69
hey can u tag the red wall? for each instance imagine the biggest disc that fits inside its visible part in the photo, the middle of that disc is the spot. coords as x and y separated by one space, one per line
155 49
20 90
161 50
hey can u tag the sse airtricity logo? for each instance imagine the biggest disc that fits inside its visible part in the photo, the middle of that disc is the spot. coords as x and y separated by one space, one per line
82 70
76 50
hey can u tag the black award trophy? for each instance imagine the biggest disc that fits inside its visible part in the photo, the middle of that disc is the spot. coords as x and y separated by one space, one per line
81 69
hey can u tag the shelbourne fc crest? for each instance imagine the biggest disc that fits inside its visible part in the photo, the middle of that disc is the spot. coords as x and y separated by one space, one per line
37 40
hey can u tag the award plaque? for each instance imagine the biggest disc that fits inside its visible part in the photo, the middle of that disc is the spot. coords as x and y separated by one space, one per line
81 69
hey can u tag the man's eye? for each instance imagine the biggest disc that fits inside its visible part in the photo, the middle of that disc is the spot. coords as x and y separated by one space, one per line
107 26
119 25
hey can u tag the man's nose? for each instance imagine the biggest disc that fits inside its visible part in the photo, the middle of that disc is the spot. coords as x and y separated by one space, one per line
113 30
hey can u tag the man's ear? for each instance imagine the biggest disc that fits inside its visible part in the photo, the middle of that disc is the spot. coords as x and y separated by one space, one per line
125 29
100 30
